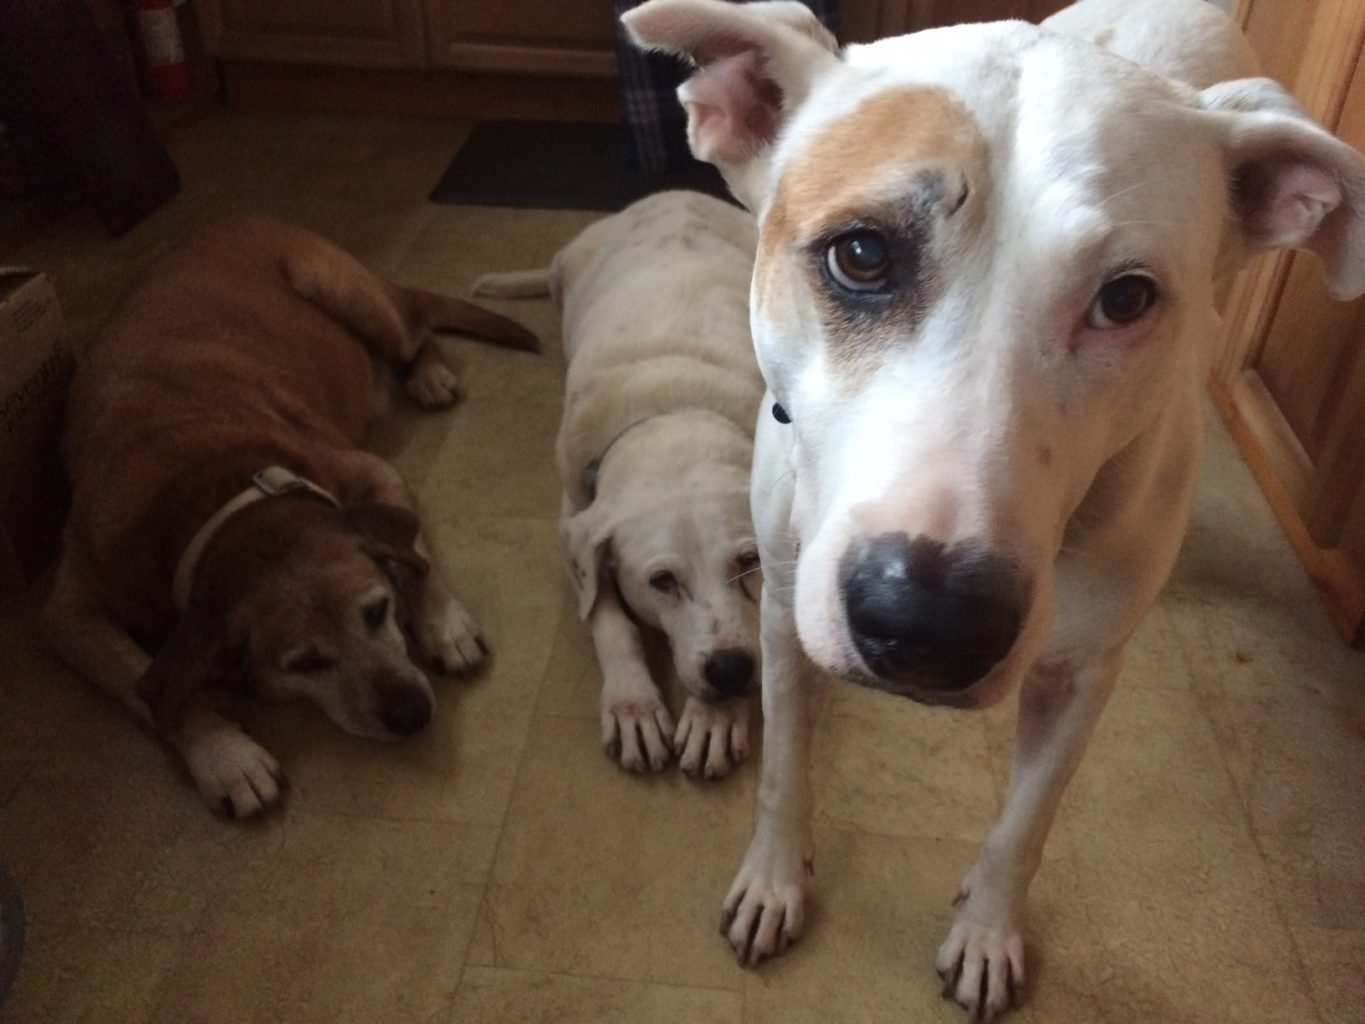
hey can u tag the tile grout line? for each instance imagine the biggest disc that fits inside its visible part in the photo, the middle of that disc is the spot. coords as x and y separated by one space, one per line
502 825
1301 969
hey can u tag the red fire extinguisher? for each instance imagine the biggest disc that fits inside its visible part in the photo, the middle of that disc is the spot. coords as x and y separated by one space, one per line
164 67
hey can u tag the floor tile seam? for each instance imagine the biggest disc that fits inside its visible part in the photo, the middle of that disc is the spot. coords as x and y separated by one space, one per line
616 978
501 827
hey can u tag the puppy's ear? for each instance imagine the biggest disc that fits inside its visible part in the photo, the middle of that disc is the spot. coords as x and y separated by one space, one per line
585 541
389 533
755 65
1293 185
197 657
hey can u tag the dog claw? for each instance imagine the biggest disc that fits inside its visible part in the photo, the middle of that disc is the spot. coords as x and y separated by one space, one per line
712 738
981 964
636 731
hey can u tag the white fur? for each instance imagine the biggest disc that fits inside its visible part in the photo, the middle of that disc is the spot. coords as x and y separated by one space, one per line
662 391
1000 417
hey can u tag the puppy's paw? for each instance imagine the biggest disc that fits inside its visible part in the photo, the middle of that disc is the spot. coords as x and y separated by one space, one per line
433 385
449 639
636 728
235 775
981 961
765 911
712 738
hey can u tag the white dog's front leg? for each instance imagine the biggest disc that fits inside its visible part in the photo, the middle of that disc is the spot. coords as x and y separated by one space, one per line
765 909
982 959
636 725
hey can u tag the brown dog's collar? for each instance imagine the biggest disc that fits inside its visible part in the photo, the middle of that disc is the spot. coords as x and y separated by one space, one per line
268 483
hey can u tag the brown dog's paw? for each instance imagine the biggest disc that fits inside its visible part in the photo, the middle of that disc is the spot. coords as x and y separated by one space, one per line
235 775
450 640
434 386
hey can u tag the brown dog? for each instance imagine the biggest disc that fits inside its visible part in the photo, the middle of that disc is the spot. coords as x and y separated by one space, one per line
221 504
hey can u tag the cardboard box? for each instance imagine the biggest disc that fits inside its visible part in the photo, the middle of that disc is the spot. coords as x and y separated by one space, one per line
35 368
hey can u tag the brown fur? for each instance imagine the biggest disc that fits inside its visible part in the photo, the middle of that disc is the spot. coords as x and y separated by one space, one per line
251 345
892 136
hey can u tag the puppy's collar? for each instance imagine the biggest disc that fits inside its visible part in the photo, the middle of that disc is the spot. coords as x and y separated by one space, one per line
268 483
594 468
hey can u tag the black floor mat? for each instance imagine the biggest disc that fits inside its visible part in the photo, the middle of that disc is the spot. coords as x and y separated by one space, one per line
557 165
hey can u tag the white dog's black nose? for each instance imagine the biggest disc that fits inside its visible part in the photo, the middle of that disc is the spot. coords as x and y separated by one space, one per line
935 616
729 671
404 710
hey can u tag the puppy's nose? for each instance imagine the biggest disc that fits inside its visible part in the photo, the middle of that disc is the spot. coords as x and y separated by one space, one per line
729 671
404 710
940 617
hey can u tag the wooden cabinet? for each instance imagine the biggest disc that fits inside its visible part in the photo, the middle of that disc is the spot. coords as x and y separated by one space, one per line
523 59
354 33
537 36
1290 379
555 37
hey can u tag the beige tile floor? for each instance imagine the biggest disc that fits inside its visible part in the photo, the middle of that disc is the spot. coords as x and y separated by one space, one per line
1208 866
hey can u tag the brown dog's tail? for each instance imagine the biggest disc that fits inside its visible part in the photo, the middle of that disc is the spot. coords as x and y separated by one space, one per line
516 284
441 313
394 320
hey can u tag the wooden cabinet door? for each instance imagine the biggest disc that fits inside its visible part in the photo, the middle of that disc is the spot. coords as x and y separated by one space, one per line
364 33
1311 365
1290 379
550 37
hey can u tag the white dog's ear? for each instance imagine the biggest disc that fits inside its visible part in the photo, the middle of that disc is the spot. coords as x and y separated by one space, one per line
755 63
585 539
1293 185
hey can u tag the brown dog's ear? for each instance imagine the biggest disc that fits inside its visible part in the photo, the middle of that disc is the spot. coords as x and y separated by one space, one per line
585 541
389 532
755 63
194 659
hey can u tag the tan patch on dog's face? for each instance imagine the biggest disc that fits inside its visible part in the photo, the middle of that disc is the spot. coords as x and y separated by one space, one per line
902 162
861 156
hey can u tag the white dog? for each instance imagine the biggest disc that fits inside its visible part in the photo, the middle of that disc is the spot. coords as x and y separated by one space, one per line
983 303
654 454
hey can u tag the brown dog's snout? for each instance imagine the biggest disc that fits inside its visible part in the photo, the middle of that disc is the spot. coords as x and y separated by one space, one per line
729 672
936 616
404 710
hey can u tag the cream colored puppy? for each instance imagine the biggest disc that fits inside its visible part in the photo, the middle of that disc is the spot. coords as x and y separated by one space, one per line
654 454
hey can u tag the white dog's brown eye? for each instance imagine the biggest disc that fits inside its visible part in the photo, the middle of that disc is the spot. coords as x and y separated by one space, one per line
376 613
663 581
748 561
309 662
859 261
1121 301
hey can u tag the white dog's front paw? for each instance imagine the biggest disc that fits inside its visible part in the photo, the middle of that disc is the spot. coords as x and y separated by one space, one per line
981 961
449 638
765 911
636 728
433 385
712 738
234 773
